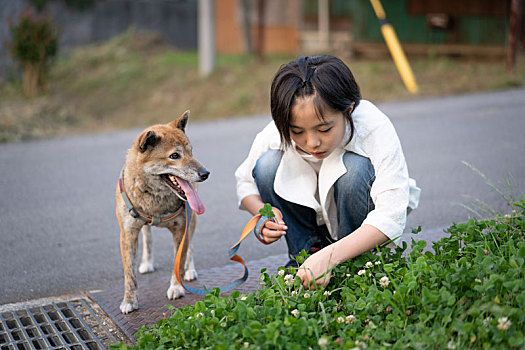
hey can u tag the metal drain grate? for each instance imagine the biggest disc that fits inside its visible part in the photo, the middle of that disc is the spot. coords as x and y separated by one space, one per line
63 325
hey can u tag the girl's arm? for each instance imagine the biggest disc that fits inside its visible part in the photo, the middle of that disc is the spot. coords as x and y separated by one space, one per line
361 240
272 231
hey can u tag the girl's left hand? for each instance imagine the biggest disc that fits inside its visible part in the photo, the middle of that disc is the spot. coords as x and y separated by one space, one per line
317 265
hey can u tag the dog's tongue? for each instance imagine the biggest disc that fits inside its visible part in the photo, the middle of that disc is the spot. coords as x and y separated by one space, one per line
192 196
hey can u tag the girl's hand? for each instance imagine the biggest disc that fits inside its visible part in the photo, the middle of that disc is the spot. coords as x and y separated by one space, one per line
273 231
316 270
361 240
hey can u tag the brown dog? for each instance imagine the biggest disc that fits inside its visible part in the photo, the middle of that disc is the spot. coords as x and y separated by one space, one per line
155 182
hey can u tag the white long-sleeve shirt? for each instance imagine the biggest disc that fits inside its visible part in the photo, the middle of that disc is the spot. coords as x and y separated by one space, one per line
296 181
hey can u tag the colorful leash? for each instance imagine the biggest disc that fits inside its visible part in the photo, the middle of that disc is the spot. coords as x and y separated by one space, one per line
232 254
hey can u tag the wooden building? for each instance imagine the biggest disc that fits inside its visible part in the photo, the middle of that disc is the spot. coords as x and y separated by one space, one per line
423 26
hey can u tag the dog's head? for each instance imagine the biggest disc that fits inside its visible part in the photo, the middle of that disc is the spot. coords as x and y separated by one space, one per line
164 155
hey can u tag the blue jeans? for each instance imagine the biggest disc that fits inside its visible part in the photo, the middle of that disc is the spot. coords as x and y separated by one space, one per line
351 194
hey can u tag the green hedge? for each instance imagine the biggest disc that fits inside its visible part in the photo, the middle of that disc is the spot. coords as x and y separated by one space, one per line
467 293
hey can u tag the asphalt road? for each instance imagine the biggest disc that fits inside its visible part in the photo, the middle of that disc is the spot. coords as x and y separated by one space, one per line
59 234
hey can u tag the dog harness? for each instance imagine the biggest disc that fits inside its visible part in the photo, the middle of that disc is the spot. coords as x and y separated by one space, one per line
148 219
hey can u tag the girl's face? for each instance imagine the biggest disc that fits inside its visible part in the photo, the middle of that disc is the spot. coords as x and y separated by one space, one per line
313 135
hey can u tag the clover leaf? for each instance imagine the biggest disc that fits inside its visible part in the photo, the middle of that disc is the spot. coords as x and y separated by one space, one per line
267 211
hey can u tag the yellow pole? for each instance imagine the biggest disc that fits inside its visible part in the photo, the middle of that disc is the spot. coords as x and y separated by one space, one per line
395 48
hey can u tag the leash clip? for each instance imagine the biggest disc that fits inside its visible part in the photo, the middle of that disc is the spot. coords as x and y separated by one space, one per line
134 213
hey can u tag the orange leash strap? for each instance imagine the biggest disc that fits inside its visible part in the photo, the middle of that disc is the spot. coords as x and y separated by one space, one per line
232 255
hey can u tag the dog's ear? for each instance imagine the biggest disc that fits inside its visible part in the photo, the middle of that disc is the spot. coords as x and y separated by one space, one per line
149 139
182 121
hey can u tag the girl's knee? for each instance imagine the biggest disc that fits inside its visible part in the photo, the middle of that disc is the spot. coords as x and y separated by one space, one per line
266 166
360 172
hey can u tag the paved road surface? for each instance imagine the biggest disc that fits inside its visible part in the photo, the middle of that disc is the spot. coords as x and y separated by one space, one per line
59 234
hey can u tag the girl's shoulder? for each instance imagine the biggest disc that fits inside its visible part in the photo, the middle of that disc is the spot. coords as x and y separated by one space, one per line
367 112
368 117
270 130
269 136
371 125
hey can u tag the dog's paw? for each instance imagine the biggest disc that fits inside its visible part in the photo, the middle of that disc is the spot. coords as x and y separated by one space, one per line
175 291
190 275
146 267
126 307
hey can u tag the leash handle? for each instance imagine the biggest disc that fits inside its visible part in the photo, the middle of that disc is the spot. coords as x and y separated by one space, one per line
231 253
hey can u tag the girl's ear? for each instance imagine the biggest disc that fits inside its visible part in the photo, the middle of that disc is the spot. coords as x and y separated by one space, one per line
351 108
181 122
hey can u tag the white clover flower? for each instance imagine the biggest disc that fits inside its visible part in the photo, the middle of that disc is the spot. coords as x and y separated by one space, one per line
288 280
384 282
369 264
378 262
281 272
306 295
327 292
246 345
294 292
487 320
322 341
223 324
199 315
243 297
361 272
360 344
347 275
504 323
350 319
295 313
340 319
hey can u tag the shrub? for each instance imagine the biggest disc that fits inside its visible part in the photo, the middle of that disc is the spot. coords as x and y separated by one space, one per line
469 293
34 41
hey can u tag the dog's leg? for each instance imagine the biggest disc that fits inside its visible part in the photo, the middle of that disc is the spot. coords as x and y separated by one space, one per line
146 264
128 247
190 273
176 290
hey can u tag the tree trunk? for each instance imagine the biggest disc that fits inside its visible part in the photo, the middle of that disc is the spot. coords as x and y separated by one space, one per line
246 25
30 80
260 30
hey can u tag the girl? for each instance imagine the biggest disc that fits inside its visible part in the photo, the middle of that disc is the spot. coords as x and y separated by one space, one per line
330 164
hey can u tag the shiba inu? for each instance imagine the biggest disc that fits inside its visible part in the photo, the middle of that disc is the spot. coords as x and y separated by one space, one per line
158 177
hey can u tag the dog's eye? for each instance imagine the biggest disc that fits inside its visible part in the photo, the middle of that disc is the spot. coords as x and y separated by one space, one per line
174 156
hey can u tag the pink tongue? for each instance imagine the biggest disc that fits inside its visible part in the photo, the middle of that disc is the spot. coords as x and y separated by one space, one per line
192 196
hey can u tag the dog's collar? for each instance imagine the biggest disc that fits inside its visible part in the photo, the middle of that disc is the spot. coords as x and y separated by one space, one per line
148 219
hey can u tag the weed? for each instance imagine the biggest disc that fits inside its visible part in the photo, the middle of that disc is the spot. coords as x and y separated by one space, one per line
506 190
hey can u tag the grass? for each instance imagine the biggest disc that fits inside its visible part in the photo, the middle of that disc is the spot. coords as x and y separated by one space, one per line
135 80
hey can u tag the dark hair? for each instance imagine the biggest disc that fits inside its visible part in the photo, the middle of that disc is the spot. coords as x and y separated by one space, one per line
325 77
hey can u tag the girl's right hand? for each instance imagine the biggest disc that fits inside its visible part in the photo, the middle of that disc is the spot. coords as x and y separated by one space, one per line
273 231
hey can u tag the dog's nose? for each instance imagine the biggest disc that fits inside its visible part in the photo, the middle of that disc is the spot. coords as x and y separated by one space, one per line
203 174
